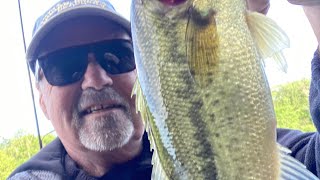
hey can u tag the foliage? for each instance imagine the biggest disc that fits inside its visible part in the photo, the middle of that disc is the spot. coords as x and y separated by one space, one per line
20 148
292 106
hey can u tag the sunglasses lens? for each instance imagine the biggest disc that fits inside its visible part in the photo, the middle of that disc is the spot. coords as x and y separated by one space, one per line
64 67
116 58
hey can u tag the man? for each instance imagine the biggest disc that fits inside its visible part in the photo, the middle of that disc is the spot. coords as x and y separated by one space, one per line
82 56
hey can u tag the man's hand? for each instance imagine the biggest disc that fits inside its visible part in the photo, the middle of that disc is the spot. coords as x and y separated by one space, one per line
261 6
313 15
312 10
305 2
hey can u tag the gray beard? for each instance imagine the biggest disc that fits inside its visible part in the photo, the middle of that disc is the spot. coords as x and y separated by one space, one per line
107 132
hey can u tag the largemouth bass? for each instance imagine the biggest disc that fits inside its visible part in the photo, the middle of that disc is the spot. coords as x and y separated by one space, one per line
203 93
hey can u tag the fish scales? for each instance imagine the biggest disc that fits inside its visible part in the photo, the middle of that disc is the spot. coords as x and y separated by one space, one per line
236 129
244 117
204 94
179 98
229 139
180 95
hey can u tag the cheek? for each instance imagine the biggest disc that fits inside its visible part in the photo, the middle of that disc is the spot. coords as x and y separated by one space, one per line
60 105
125 83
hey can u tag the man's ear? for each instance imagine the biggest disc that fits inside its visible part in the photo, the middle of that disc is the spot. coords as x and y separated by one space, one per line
41 101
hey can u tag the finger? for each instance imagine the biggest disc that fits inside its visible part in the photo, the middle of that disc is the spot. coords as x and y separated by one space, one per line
305 2
261 6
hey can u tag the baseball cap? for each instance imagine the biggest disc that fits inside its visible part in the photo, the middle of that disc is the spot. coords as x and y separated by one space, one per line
65 10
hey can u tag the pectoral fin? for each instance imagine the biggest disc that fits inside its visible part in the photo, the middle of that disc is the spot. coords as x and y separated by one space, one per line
201 46
269 37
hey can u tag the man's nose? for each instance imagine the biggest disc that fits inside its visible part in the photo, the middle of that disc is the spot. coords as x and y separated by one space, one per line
95 76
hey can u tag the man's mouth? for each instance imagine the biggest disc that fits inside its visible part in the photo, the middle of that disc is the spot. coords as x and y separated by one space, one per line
98 108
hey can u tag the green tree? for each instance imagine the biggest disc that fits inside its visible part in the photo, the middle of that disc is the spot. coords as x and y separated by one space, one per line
292 106
20 148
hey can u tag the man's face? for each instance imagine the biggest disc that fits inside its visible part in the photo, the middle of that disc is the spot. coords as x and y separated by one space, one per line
97 111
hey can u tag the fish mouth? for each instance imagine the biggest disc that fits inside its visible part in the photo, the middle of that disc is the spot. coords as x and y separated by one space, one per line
96 108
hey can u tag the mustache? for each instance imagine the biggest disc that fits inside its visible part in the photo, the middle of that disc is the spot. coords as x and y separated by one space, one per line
92 96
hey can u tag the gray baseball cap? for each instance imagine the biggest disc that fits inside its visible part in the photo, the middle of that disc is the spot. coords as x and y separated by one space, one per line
65 10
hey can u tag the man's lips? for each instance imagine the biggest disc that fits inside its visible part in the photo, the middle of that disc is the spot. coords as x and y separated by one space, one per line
100 107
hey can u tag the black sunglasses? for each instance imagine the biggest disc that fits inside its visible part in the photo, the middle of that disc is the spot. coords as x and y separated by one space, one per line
68 65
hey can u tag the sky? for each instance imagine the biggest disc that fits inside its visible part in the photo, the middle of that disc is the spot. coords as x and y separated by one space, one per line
16 107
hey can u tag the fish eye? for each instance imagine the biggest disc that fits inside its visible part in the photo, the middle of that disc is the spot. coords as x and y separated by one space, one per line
172 2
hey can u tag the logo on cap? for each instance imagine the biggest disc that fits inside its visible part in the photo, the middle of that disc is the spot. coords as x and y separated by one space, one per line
66 5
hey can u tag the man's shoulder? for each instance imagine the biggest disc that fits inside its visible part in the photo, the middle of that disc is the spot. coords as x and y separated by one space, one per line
48 159
290 137
304 146
36 175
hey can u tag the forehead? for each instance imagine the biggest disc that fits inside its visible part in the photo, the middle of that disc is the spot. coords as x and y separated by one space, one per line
81 30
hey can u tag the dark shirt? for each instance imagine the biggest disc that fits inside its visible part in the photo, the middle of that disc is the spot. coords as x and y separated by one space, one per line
54 158
304 147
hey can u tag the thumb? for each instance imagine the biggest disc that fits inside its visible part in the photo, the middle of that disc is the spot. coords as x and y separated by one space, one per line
305 2
261 6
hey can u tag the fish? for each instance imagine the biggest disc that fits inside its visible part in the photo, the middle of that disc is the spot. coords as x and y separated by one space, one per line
202 91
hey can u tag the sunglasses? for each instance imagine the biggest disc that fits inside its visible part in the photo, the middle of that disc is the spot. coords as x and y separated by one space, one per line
69 65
